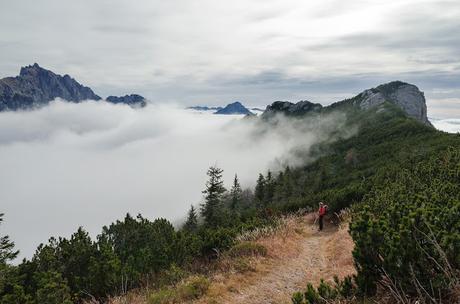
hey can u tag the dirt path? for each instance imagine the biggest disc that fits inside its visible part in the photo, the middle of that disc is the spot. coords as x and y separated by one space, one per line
313 256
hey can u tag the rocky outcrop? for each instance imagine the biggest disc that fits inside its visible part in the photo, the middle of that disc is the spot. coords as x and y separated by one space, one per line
406 96
234 108
132 100
292 109
36 86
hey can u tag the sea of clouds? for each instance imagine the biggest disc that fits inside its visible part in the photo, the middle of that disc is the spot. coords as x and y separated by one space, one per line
451 125
68 165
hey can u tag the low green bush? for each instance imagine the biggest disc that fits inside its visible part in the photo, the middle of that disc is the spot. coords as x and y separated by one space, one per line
408 229
242 265
193 288
170 276
297 298
325 293
163 296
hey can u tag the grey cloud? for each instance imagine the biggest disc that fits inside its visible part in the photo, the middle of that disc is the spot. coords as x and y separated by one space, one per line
209 52
117 29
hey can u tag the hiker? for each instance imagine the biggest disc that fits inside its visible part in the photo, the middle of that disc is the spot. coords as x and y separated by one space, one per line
321 213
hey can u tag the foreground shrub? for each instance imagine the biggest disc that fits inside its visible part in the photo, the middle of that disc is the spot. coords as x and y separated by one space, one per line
194 288
247 249
242 265
407 231
163 296
326 293
171 276
191 289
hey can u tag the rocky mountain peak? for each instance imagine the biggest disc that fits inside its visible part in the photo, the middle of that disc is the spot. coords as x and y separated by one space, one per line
406 96
234 108
36 86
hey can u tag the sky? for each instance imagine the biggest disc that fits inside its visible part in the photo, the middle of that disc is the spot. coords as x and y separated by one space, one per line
215 52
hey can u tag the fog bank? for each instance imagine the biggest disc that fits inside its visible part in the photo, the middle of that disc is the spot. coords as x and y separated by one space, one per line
69 165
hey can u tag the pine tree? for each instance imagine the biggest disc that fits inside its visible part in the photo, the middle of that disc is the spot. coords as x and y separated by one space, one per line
7 252
191 224
269 187
288 183
213 197
259 192
236 193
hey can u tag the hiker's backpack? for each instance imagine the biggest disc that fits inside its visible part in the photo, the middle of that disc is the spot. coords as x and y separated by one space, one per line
323 210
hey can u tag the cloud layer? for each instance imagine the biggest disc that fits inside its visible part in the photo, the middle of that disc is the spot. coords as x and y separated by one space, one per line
87 164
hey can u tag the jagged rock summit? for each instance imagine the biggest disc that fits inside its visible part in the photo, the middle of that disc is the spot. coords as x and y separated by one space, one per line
36 86
234 108
404 95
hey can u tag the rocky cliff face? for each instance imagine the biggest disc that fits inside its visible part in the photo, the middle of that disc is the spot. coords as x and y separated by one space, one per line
36 86
406 96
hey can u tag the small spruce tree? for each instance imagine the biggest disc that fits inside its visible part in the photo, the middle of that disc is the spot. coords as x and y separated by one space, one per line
235 193
191 224
259 191
269 187
213 197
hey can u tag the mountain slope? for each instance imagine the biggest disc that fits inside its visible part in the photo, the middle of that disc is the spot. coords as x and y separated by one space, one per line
341 172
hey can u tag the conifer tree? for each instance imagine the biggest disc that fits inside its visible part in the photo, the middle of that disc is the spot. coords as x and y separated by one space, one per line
191 224
269 187
236 193
213 197
7 252
259 191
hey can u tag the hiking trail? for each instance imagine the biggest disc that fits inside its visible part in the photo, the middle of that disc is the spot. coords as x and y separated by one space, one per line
294 261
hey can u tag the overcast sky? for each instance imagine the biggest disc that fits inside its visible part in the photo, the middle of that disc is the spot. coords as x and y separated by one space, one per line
258 51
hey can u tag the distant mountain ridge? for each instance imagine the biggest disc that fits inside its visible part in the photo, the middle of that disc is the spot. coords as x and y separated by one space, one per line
234 108
204 108
405 96
36 86
132 99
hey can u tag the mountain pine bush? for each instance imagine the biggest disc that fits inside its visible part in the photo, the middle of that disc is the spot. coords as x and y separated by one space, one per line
407 230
